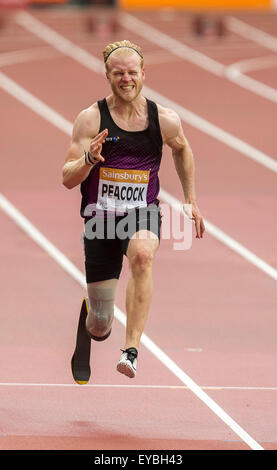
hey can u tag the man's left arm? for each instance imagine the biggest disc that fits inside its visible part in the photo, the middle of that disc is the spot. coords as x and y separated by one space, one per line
184 163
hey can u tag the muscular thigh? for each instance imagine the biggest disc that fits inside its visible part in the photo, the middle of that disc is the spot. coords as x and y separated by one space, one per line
145 231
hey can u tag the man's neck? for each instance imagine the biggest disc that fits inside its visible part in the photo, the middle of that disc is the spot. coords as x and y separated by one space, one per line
125 109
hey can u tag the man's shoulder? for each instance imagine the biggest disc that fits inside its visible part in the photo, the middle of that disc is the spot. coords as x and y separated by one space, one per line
169 120
89 113
88 120
167 113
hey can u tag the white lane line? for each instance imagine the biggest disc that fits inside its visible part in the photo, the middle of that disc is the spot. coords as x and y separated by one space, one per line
255 63
251 84
73 271
60 43
235 73
135 386
250 32
61 123
214 131
11 211
92 63
36 105
224 238
201 60
26 55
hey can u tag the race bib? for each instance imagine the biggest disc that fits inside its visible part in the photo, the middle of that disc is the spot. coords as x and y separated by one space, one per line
121 190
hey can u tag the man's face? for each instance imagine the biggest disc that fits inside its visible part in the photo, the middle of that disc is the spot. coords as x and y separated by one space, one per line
125 75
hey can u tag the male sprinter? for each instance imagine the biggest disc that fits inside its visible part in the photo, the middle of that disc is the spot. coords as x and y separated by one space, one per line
115 155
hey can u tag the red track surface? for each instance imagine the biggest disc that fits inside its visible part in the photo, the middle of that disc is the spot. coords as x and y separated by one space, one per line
213 312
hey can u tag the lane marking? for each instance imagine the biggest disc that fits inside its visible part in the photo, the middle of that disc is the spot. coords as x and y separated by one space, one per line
63 124
136 386
266 40
235 73
26 55
179 49
255 63
60 43
250 32
224 238
251 84
86 59
36 105
214 131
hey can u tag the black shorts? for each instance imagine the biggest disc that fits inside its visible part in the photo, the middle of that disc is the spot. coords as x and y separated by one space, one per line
106 241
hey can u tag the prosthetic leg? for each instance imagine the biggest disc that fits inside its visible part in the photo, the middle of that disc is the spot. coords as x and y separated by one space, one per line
95 322
80 362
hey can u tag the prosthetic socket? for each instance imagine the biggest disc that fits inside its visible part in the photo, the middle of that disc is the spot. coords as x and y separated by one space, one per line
101 311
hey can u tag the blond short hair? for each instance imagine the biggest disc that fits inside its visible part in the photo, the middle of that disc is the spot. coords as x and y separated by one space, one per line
119 45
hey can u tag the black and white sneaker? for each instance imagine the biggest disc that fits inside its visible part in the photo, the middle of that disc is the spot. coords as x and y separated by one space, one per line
127 364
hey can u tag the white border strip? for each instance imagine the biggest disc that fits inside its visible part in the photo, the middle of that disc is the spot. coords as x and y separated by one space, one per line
134 386
73 271
86 59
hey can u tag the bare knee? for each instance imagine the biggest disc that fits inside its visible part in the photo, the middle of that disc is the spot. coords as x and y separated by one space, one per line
141 260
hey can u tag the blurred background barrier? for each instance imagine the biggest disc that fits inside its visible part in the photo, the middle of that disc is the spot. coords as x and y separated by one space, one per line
145 4
102 16
205 4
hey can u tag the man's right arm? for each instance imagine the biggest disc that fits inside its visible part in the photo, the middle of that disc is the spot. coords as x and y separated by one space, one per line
84 139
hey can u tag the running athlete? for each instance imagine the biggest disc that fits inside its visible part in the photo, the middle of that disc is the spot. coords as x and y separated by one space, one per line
115 156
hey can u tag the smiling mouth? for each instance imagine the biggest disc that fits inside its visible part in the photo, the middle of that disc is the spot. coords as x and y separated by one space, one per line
127 87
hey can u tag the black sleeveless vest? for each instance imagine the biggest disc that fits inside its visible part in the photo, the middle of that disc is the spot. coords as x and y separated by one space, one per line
129 175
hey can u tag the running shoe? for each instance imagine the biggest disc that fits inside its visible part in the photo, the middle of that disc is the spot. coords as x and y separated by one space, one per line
127 364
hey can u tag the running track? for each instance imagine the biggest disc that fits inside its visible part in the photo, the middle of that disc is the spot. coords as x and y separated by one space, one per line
214 307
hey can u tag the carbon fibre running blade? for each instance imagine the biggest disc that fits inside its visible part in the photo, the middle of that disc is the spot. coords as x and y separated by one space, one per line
80 362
